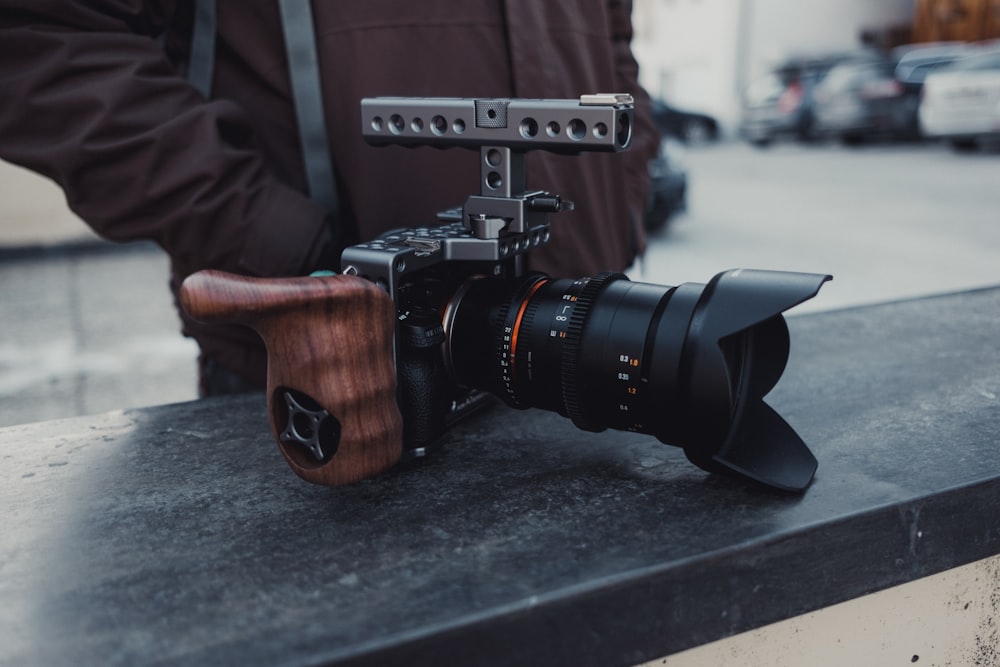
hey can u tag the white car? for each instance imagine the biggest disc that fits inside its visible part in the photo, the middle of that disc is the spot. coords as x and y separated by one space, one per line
961 102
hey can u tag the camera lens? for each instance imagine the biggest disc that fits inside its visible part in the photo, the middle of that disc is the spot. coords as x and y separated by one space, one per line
584 348
688 364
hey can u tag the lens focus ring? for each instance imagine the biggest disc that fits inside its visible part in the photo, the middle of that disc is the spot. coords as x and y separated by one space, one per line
571 348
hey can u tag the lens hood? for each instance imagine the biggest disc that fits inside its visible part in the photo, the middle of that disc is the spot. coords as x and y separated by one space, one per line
689 364
734 352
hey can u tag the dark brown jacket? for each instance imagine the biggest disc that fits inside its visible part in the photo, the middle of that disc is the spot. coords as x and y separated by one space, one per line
92 99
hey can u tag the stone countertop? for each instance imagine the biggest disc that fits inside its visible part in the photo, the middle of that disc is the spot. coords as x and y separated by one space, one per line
177 534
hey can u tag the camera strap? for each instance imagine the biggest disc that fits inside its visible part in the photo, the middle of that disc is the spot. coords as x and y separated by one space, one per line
201 65
303 67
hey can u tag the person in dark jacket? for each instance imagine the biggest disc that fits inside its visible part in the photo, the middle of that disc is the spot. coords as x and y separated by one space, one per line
94 96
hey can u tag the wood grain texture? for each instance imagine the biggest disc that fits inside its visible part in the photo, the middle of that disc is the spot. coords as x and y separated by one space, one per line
329 337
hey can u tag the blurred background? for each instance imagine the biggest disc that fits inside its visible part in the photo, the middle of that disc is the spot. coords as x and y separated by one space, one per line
854 137
722 56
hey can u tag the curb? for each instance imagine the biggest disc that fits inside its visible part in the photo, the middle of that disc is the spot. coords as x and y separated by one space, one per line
72 249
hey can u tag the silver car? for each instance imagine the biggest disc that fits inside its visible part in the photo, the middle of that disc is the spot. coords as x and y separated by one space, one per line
961 103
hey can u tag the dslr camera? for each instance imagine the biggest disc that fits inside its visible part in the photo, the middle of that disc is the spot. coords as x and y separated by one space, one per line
424 324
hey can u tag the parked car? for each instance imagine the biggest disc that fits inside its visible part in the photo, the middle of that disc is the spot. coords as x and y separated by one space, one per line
688 126
961 103
915 61
861 100
914 64
879 96
780 104
667 185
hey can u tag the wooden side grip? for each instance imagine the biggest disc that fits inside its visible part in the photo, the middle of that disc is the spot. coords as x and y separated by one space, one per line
329 348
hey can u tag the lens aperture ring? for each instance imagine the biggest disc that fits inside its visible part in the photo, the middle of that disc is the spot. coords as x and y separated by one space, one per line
572 391
510 317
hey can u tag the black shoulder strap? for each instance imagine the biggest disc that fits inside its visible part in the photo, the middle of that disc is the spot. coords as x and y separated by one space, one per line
201 66
303 68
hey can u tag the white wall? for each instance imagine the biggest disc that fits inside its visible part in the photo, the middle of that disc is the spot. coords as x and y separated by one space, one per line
699 53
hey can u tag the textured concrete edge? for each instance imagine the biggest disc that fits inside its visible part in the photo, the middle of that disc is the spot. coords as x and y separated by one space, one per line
644 615
944 618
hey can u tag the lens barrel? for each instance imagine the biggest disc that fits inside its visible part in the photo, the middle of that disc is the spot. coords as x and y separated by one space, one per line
688 364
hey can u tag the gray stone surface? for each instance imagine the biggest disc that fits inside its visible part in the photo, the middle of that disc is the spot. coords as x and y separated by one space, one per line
176 534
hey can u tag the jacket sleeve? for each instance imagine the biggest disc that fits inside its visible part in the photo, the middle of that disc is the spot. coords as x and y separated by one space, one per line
90 100
645 136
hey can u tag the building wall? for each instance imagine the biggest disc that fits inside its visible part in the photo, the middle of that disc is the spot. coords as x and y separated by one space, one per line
700 54
966 20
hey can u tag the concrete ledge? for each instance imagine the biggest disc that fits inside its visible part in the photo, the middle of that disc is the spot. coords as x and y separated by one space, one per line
177 535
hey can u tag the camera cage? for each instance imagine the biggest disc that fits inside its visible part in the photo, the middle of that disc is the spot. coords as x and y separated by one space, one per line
713 350
505 220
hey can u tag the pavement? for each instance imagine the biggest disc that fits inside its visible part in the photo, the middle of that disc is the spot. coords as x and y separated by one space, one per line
89 326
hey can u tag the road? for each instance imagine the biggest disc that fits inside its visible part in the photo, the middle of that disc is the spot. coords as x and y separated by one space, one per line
889 221
95 331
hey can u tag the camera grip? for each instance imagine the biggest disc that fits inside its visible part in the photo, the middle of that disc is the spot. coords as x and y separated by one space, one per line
423 381
329 365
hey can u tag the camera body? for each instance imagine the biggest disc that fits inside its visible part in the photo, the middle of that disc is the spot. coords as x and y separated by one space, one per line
423 324
424 269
